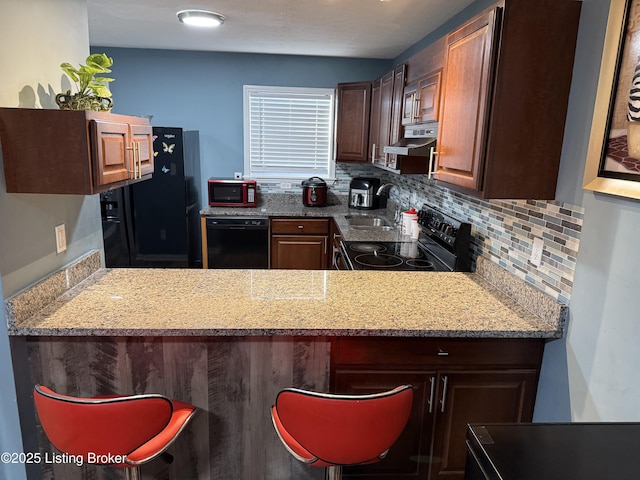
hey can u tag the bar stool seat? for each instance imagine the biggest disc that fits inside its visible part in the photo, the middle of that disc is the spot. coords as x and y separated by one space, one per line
328 430
120 431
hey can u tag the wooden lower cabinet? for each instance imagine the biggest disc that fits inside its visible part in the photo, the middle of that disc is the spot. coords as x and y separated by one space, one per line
306 252
409 456
456 382
299 243
463 397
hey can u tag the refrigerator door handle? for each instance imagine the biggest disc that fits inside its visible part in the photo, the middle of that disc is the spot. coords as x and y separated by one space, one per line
128 214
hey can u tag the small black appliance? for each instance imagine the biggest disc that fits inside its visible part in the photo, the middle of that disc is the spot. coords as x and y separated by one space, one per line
362 194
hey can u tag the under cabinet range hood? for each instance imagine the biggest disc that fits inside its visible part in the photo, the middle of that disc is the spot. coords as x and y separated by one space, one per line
418 140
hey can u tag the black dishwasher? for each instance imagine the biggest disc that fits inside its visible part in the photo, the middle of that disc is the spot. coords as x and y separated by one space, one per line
237 242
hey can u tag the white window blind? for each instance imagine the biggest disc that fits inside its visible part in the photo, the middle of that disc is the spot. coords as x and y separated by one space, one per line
288 132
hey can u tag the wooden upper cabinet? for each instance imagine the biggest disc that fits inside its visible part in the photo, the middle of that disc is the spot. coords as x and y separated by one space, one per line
421 99
395 133
429 98
381 112
353 106
142 142
506 80
374 120
73 152
468 70
112 160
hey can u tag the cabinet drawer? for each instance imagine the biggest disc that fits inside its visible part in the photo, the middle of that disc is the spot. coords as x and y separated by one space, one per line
292 226
435 352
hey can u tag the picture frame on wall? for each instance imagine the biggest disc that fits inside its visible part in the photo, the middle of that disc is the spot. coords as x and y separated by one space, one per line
613 157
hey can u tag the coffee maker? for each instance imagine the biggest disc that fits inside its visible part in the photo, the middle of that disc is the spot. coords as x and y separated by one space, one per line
362 194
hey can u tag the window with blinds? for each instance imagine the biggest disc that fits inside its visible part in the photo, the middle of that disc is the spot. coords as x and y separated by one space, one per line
288 132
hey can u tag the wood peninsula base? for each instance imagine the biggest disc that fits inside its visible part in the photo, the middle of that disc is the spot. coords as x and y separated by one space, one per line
234 381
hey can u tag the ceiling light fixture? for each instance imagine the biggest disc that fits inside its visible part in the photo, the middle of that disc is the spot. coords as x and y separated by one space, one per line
200 18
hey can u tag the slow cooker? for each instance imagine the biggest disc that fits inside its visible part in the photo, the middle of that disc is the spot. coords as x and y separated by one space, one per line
314 192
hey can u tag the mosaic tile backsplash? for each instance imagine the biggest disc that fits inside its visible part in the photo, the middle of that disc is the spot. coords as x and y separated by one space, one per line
502 230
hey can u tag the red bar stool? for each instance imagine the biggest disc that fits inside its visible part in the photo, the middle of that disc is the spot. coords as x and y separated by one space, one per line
326 430
120 431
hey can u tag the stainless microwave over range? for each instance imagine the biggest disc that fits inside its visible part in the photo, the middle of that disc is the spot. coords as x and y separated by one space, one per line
231 192
443 246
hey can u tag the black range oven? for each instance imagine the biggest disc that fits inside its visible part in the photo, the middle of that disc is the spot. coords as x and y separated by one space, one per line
443 246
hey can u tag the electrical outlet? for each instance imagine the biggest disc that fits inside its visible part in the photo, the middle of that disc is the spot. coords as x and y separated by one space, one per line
285 185
536 251
237 175
61 239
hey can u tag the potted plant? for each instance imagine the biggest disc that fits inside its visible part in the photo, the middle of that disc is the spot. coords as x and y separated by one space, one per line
93 93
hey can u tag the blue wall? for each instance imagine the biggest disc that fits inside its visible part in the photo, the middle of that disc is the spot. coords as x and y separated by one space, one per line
203 91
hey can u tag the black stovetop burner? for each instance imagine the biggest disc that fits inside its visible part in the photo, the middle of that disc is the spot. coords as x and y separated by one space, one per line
443 246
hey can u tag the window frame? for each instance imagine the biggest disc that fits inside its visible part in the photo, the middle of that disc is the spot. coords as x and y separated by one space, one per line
283 176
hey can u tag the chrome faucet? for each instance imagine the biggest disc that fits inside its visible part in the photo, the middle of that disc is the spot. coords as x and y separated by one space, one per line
385 188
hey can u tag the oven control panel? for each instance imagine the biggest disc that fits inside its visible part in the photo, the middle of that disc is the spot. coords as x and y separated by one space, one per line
453 232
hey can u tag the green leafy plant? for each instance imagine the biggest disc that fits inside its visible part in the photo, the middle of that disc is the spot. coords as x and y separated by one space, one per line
85 76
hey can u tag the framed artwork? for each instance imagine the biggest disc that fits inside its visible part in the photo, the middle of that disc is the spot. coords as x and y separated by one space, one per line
613 158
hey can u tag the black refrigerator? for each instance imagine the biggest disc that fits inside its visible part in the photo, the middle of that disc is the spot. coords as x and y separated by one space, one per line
156 222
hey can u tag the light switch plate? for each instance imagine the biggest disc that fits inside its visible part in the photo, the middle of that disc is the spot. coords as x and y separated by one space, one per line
536 251
61 238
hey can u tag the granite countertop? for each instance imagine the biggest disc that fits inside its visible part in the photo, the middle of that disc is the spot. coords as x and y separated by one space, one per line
290 205
184 302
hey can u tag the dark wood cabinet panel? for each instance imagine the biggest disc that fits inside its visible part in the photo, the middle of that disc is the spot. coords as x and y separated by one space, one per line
421 99
406 458
353 107
300 226
395 133
405 352
506 82
381 113
300 243
305 252
429 97
374 120
113 161
475 396
457 381
468 73
73 152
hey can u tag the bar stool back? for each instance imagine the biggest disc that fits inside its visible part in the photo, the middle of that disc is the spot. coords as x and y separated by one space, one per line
120 431
327 430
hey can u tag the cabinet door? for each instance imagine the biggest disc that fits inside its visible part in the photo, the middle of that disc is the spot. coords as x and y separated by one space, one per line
142 138
408 458
306 252
409 103
465 104
112 157
353 105
428 102
386 110
476 397
374 123
395 133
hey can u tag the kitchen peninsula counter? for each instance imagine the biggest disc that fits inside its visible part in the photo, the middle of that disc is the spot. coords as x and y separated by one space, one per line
190 302
227 341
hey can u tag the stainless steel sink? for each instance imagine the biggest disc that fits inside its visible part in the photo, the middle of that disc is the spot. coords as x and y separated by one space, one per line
368 222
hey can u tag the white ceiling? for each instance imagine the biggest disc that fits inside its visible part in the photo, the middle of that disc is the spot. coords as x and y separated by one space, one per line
341 28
